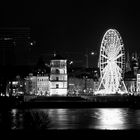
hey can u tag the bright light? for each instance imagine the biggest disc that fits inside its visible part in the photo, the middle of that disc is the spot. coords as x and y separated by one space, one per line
111 64
31 43
15 82
61 117
92 53
71 62
111 119
7 95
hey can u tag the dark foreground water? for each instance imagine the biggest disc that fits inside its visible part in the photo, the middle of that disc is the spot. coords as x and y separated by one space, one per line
63 119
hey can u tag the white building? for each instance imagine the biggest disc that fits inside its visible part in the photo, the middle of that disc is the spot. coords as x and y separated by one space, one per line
38 85
58 76
43 85
138 84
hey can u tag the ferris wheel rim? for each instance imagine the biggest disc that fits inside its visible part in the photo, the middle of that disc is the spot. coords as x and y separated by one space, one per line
102 48
112 63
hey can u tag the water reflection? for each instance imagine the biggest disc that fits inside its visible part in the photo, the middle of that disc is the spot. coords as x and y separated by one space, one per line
111 119
87 118
17 119
36 119
69 118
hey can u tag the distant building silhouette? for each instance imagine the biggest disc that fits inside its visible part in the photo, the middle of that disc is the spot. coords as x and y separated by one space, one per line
14 45
128 68
134 63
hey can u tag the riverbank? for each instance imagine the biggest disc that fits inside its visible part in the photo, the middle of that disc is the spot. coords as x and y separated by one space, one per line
109 101
73 102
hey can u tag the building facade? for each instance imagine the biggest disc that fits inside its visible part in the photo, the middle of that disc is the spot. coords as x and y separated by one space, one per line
31 85
131 85
138 84
43 85
37 85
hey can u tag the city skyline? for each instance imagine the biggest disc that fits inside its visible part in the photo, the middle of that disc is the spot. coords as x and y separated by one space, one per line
69 65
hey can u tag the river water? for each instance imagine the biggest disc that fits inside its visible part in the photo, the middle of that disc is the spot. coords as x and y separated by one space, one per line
87 118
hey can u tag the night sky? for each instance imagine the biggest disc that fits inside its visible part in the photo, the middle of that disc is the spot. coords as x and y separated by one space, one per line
73 26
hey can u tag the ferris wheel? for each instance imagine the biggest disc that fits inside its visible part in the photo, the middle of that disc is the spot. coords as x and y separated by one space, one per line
112 63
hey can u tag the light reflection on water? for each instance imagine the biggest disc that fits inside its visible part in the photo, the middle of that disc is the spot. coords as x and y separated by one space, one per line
87 118
111 119
16 119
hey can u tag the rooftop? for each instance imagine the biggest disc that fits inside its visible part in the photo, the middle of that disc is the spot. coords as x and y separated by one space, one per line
57 57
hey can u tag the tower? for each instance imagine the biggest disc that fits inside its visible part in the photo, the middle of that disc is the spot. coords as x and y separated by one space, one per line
58 76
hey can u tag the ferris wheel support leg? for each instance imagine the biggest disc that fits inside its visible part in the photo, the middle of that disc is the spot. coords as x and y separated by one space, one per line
126 91
101 82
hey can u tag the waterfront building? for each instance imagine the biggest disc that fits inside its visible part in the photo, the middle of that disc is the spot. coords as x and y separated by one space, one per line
58 76
43 85
15 87
83 81
78 86
31 84
37 85
42 73
132 74
138 84
75 85
131 83
134 63
12 88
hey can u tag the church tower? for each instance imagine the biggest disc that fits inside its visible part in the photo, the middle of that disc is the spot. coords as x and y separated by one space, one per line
58 76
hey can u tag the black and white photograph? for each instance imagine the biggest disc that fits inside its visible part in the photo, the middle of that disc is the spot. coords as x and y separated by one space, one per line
70 68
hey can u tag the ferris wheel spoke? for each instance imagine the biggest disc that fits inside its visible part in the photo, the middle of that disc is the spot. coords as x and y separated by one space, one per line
118 49
119 69
106 67
104 56
119 56
119 62
103 63
105 70
105 50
